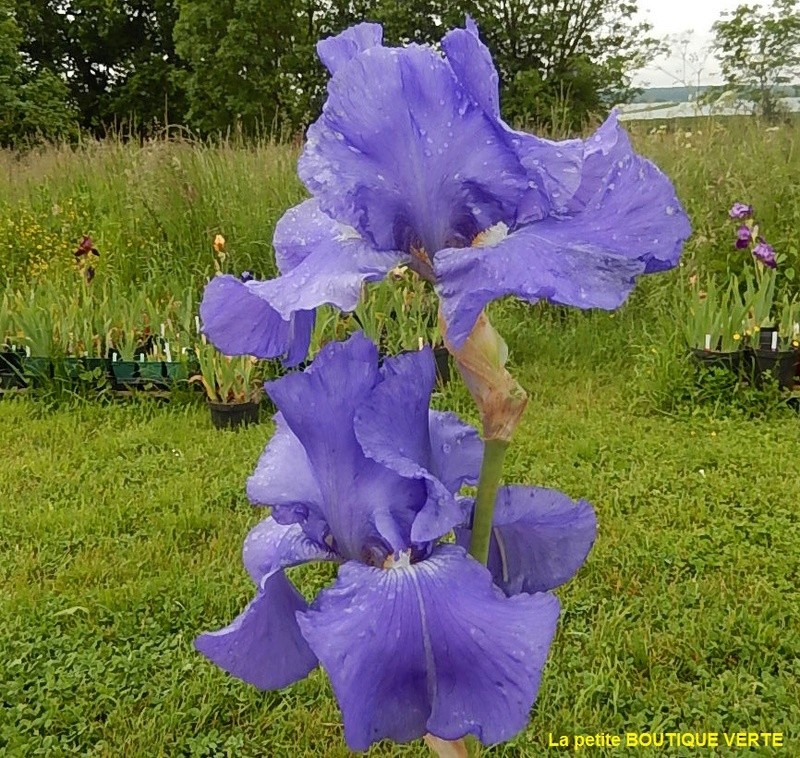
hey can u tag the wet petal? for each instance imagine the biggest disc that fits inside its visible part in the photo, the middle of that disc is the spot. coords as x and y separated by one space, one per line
540 538
456 450
239 322
554 168
284 479
319 406
404 155
634 225
393 428
430 647
270 547
263 646
334 52
472 63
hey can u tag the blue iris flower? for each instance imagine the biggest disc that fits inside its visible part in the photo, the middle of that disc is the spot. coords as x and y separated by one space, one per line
416 635
411 163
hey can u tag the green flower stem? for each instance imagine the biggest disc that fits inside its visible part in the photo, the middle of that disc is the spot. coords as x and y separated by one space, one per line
491 470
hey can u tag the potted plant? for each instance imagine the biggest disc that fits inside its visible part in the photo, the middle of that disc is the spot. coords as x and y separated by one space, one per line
231 386
11 373
36 323
779 358
714 326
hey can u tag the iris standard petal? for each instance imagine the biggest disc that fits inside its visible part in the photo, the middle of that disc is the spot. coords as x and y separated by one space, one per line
608 148
284 479
319 406
430 647
263 646
404 155
239 322
554 168
540 538
634 225
270 547
335 51
472 64
393 428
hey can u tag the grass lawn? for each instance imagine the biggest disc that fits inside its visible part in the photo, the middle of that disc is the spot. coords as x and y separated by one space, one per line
120 534
121 524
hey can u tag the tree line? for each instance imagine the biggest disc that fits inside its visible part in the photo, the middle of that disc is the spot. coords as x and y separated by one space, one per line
76 66
68 66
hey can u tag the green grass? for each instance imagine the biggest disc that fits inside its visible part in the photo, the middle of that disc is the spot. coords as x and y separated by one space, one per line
121 524
120 535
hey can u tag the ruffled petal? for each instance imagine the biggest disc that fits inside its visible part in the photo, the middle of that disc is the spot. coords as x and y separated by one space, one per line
270 547
554 168
392 427
334 52
264 646
333 274
602 152
472 64
430 647
634 225
319 406
239 322
540 538
404 155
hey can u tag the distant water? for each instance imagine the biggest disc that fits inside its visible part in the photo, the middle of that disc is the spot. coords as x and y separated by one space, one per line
644 111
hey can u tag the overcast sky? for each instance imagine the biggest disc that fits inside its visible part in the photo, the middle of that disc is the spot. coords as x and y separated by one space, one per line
676 17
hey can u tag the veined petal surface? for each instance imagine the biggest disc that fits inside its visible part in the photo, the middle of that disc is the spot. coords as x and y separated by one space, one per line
430 647
404 155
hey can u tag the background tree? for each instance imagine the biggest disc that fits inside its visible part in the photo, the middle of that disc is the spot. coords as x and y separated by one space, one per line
118 58
564 60
758 49
36 104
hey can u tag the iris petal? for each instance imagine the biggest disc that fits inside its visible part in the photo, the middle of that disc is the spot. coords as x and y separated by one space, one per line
270 547
404 155
263 646
554 168
239 322
430 647
540 538
335 51
398 435
319 406
633 224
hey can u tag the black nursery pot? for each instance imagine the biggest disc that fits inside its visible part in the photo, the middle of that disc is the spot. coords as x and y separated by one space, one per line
233 415
38 370
780 363
732 361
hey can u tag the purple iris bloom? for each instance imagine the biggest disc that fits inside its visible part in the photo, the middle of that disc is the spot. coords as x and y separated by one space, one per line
765 253
743 237
740 210
411 163
415 635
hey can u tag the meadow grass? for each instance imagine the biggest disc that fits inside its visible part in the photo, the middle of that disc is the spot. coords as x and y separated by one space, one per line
121 524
